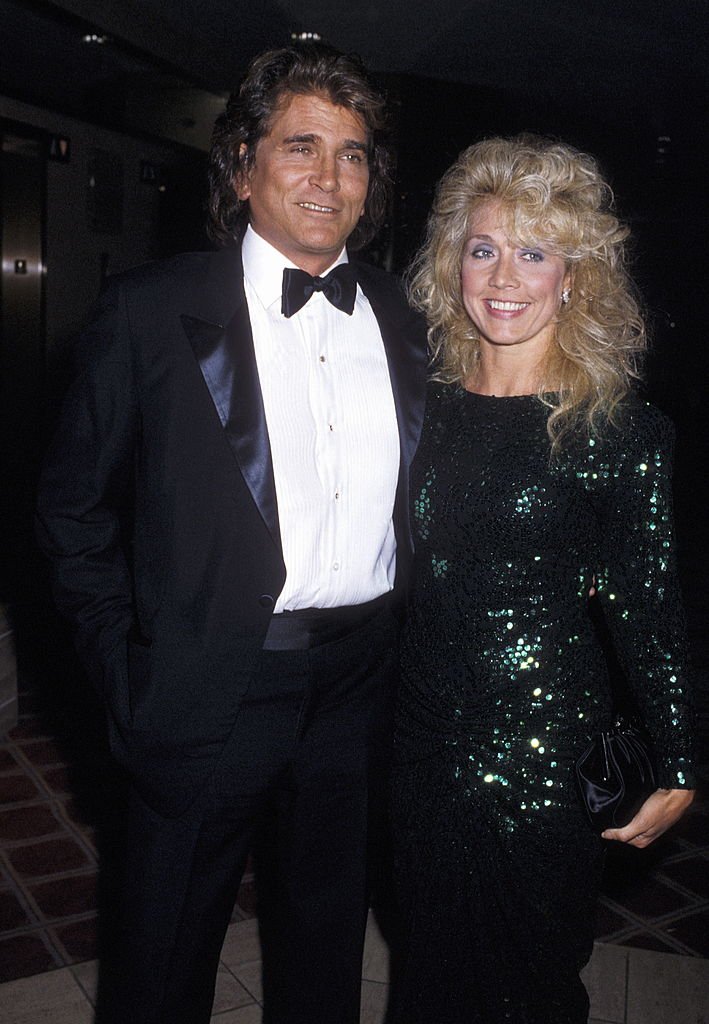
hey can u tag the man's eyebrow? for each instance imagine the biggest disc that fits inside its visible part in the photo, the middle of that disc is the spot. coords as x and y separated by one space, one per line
305 137
311 137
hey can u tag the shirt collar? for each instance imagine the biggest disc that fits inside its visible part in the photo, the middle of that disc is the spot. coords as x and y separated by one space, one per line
264 264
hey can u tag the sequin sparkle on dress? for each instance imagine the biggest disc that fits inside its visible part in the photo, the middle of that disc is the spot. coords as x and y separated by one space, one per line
505 680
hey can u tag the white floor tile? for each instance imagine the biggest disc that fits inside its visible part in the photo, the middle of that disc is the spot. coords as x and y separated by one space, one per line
375 964
661 988
87 976
667 989
241 944
605 979
374 1002
229 994
245 1015
250 977
51 998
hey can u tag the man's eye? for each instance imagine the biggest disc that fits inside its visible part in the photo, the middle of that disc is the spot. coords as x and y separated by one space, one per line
355 158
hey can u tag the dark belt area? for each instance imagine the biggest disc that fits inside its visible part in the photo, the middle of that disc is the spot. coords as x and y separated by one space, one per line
313 627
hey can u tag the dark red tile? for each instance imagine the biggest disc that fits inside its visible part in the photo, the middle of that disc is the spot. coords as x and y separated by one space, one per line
666 846
80 939
17 788
646 940
57 779
693 931
41 752
247 899
12 914
28 728
65 897
52 857
7 761
25 955
694 827
641 894
27 823
608 922
692 874
76 813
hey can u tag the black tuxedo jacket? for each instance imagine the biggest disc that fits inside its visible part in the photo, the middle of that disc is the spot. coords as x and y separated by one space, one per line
158 508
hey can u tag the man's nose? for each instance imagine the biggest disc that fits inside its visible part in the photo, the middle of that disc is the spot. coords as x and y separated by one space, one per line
326 175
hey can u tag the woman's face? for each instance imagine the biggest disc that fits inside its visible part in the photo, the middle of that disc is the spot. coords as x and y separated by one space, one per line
511 293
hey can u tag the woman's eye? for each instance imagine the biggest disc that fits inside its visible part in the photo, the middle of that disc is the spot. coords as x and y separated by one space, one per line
533 256
481 253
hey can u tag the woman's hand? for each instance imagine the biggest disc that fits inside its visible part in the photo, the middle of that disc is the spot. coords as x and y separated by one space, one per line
661 810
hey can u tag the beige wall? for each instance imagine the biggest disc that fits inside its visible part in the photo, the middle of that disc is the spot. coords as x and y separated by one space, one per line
73 253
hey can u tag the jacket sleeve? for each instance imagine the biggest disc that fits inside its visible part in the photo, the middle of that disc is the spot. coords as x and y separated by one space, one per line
83 512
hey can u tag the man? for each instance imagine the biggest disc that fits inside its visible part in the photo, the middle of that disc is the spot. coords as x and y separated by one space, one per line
225 509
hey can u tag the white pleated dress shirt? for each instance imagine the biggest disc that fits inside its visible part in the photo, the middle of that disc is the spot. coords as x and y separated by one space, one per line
334 438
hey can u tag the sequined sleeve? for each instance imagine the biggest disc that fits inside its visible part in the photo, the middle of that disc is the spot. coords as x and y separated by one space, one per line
638 584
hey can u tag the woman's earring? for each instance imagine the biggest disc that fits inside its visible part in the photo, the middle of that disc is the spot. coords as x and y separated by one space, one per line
566 295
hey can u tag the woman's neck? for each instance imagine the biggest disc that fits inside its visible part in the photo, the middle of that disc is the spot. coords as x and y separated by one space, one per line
503 385
505 372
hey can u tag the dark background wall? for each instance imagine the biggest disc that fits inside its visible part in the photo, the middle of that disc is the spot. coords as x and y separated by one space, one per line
626 82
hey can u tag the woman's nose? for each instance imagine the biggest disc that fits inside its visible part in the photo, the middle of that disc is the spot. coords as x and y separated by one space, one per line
504 273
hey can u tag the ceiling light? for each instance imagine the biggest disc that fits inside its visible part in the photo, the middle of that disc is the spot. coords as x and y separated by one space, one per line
94 37
305 37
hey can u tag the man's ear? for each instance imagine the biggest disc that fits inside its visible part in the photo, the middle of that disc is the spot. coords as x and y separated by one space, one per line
242 185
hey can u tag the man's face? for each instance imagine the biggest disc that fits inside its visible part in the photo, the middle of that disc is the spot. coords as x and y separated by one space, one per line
308 184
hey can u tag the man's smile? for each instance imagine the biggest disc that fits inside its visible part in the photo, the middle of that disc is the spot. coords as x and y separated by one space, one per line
316 208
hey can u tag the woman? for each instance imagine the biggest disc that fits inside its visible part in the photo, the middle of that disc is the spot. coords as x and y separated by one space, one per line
540 478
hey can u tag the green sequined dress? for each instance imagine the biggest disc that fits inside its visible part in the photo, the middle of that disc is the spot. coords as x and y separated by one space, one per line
504 681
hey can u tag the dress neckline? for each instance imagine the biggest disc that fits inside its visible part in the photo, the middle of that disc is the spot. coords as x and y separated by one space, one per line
498 398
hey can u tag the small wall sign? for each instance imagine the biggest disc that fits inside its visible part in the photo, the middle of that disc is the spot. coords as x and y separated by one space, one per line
60 148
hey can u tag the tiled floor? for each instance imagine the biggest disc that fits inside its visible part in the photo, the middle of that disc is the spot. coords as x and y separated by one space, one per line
60 805
61 800
626 986
658 899
51 834
48 861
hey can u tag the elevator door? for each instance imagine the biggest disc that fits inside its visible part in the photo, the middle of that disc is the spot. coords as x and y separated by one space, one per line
22 363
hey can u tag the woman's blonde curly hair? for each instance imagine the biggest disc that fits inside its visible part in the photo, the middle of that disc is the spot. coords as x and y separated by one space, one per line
552 196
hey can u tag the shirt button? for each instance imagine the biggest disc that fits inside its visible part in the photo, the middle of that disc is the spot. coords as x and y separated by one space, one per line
335 566
322 359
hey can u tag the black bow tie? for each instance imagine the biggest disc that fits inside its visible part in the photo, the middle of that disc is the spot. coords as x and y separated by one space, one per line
339 286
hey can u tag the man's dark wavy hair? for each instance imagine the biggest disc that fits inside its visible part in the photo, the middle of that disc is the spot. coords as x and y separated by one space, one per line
301 69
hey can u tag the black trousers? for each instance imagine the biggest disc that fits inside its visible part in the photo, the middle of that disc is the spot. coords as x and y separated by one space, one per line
306 763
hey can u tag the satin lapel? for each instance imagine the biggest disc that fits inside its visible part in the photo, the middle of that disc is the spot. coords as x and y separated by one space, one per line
228 364
404 340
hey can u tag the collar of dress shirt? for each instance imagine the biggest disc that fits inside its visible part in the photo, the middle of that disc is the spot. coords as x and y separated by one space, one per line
263 267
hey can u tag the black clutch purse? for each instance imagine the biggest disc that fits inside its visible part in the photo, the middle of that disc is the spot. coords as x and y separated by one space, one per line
615 775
